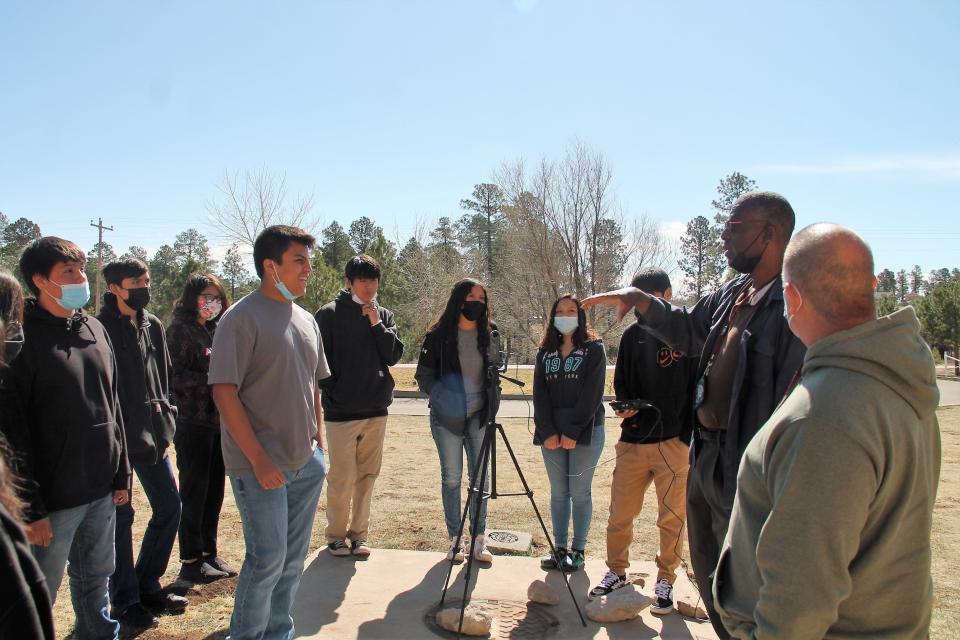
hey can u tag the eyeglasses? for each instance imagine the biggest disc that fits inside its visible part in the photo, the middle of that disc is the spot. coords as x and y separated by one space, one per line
730 226
209 298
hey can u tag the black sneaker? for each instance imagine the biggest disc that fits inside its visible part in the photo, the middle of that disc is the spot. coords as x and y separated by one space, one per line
608 584
338 548
163 602
574 561
554 562
219 564
663 591
135 616
200 573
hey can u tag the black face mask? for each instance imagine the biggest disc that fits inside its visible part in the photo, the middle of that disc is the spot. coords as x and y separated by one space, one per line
138 298
473 309
746 264
13 343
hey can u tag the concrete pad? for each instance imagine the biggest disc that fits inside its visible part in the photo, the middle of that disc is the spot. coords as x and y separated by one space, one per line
388 596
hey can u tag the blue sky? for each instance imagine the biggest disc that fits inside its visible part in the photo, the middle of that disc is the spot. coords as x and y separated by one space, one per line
133 111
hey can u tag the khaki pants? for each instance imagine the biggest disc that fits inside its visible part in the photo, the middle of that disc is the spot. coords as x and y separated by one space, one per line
666 465
356 452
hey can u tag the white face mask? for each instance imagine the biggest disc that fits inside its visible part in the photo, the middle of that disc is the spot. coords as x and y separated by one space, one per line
566 324
361 302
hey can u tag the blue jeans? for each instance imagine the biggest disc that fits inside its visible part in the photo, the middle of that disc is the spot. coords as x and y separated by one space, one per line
83 536
277 524
129 581
450 448
571 474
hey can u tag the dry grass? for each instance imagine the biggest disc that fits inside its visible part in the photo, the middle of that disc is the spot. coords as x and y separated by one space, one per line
408 515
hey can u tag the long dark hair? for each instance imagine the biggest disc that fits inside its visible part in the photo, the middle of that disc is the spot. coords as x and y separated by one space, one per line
196 283
552 338
11 298
445 327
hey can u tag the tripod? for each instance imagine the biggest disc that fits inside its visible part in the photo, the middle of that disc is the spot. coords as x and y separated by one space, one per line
477 495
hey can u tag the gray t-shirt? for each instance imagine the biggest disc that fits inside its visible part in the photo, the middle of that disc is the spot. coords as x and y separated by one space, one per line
471 366
273 352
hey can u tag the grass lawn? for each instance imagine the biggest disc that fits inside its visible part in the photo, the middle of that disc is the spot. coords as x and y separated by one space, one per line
407 515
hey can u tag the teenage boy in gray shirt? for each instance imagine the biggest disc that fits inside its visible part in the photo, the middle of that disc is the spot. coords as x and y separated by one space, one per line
266 362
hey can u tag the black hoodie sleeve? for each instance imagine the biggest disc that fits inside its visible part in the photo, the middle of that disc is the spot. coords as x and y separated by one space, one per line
324 318
426 374
388 342
621 373
580 417
543 421
19 440
123 479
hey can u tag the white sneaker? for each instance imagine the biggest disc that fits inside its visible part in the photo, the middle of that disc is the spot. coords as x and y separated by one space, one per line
480 551
457 549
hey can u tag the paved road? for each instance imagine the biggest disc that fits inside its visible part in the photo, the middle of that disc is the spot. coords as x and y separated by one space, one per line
949 396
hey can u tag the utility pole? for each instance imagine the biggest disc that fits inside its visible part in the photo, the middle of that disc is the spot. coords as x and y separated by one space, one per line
96 277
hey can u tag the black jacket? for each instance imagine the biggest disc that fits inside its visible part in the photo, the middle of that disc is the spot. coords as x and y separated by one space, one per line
568 393
649 370
143 363
770 356
439 376
191 346
360 356
25 609
70 449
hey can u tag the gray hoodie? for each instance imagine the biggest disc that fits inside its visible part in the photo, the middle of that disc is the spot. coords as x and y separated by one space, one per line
830 530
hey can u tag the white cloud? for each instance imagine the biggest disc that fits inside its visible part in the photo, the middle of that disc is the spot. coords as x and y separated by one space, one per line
946 166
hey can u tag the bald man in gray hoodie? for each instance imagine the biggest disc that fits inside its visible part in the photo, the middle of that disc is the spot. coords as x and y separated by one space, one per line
830 530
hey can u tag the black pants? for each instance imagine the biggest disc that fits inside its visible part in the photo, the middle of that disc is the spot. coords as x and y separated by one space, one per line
708 516
200 463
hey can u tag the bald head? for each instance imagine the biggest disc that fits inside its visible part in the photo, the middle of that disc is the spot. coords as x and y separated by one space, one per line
832 268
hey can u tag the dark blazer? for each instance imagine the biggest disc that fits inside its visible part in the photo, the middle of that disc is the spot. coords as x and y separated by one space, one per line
770 356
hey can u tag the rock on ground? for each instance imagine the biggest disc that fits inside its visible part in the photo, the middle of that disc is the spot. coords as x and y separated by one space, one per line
477 620
540 591
691 611
623 604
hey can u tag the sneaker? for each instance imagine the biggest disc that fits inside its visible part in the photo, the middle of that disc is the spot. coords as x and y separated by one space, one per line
135 616
553 562
480 551
200 573
574 561
360 548
338 548
608 584
219 564
163 602
663 591
457 549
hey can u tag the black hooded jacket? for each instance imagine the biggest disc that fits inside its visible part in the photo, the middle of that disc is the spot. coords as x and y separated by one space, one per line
143 363
70 447
360 356
649 370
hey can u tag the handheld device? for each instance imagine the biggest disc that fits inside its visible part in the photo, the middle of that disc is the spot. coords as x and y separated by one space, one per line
626 405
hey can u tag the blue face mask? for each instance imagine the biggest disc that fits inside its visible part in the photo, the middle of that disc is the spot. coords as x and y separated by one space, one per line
566 324
73 296
282 288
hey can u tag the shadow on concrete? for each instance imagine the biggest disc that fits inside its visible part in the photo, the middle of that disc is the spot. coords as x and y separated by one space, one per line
407 609
325 580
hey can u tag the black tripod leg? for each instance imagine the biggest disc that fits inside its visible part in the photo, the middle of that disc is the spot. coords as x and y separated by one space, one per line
477 495
463 520
526 488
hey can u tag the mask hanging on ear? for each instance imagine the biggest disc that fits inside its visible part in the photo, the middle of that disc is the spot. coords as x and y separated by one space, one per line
282 288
